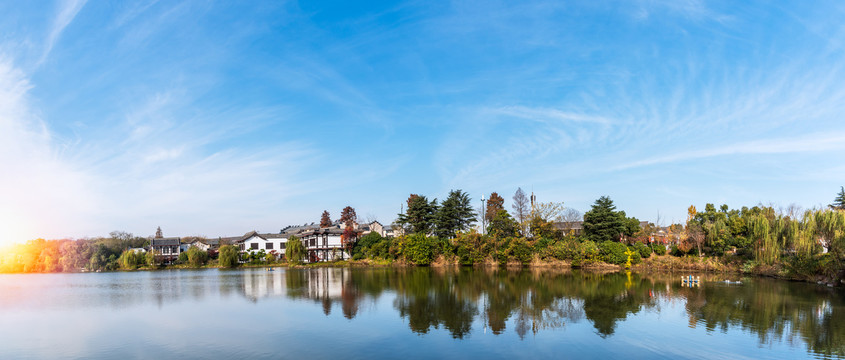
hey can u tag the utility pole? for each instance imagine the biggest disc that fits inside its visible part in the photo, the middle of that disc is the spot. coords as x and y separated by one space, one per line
483 214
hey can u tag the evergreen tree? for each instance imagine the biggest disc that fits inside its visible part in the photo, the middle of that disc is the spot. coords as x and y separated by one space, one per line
602 222
455 214
494 204
503 226
839 201
420 215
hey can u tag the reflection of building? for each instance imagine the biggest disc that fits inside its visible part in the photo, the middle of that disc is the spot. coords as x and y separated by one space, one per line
327 286
261 283
165 249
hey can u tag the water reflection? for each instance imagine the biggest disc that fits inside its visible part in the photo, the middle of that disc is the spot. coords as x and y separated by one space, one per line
465 301
531 301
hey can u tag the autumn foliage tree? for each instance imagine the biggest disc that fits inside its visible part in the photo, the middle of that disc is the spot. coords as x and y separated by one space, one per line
325 220
348 218
494 204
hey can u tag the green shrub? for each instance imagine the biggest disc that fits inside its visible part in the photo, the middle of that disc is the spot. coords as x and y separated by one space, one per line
543 247
659 249
643 249
520 250
676 251
417 248
613 252
590 252
636 254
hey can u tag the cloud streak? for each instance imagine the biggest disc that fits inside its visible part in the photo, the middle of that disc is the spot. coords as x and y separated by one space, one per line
66 12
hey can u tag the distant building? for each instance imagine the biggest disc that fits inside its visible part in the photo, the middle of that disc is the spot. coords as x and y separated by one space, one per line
270 243
206 244
570 227
166 250
393 231
325 244
374 226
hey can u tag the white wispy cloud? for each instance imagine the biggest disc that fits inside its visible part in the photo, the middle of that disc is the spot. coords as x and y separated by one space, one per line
66 12
818 142
42 195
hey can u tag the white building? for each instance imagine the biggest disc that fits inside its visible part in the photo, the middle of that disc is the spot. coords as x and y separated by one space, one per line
270 243
325 244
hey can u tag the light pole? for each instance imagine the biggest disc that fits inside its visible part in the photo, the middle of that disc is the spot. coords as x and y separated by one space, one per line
483 214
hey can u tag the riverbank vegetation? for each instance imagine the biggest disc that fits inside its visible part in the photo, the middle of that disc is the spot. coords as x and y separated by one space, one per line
790 243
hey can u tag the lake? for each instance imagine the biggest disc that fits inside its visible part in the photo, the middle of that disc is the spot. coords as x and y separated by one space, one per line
414 313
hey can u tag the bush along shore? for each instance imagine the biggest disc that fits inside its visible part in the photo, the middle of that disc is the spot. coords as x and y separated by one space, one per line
792 244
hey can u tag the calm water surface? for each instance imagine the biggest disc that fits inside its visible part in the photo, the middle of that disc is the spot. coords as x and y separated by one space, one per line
423 313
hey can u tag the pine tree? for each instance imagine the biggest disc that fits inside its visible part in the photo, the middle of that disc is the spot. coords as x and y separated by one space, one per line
420 215
455 214
602 222
839 201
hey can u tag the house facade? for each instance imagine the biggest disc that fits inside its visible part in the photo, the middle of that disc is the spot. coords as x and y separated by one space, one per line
270 243
324 244
166 250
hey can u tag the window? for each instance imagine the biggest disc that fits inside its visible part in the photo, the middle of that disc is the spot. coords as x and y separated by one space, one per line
282 246
253 246
269 246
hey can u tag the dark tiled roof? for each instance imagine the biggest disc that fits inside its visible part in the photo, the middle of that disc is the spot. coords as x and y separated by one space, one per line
170 241
330 231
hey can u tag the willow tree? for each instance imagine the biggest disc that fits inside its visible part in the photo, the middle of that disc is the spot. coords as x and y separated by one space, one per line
294 250
830 230
765 245
228 256
805 244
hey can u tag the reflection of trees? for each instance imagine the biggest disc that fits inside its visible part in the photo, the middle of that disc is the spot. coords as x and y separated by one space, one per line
775 311
531 301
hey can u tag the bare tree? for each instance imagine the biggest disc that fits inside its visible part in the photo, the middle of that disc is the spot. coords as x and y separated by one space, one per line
549 212
520 208
569 219
695 235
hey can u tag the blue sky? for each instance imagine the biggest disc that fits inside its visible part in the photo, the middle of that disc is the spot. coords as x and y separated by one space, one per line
220 118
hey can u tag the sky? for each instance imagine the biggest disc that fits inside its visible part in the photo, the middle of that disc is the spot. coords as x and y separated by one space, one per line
218 118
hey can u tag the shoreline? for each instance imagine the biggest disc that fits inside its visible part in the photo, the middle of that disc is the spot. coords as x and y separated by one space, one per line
653 264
